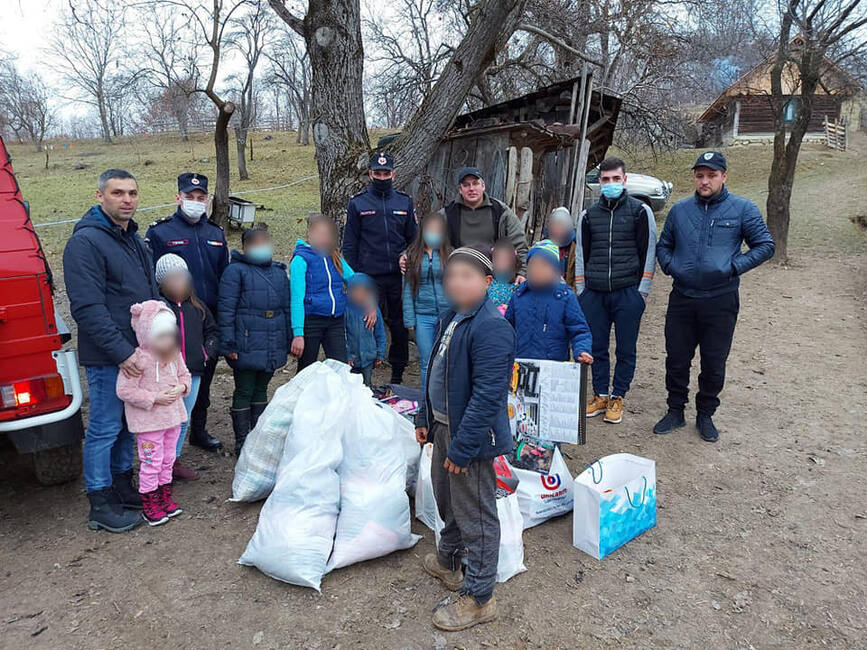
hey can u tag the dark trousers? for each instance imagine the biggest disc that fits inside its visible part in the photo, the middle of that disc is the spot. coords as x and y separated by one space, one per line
467 504
326 331
622 309
251 387
199 415
390 288
708 323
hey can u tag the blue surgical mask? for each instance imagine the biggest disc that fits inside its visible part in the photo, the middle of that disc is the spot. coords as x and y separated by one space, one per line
259 254
612 190
506 277
433 239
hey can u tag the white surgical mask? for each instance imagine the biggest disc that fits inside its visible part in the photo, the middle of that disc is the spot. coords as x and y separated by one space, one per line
193 209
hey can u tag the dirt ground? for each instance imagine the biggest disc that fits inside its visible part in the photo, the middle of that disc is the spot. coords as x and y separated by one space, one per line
760 540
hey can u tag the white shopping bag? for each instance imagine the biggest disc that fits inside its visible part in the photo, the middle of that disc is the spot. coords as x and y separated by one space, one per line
425 504
615 501
542 496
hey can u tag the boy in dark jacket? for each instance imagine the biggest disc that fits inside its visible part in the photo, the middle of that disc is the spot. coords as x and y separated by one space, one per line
465 414
545 313
365 348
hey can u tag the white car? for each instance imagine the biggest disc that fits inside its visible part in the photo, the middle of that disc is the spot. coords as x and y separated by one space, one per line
649 189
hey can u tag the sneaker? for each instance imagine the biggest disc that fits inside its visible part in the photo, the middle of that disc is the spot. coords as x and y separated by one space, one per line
106 513
670 421
126 493
152 508
171 508
614 412
466 612
706 428
183 473
596 406
453 580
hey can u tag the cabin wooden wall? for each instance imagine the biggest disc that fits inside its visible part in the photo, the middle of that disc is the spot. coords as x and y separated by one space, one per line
757 114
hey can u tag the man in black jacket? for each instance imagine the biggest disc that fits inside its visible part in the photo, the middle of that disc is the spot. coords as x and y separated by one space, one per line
108 268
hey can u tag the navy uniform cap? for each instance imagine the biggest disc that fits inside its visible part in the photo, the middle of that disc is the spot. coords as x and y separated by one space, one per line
711 159
381 161
191 181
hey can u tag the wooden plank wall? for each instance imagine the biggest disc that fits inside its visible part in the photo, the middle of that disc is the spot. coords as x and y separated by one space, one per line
757 115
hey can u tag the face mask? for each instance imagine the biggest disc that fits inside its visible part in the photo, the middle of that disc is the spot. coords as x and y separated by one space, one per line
503 276
194 210
382 185
433 239
612 190
259 254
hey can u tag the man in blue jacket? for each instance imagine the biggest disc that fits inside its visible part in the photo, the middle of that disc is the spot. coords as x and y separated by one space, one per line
202 244
464 412
107 268
380 224
700 248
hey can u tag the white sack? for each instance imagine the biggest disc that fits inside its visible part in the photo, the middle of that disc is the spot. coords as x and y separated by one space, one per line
542 496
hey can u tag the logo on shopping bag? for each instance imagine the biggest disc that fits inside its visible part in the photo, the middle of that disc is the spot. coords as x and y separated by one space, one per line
550 481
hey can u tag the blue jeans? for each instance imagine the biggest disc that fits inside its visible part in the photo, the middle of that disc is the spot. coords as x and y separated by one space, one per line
108 444
189 403
425 333
623 309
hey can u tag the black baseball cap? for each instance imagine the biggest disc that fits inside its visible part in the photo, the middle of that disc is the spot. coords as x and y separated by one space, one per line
191 181
711 159
381 161
469 171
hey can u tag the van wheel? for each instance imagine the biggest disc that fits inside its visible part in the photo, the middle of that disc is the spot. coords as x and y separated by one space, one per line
58 465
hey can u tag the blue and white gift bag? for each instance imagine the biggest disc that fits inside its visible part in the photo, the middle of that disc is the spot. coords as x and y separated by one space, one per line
615 501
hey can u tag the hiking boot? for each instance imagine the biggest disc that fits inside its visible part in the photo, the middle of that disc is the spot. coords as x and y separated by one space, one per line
596 405
256 409
204 440
183 473
466 612
127 495
453 580
670 421
171 508
152 508
614 412
706 429
241 427
106 513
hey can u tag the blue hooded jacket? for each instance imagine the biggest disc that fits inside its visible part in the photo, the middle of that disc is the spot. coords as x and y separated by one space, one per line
548 321
106 269
430 299
253 314
317 287
363 346
479 363
700 244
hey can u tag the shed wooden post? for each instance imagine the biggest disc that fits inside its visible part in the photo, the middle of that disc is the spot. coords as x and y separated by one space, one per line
737 119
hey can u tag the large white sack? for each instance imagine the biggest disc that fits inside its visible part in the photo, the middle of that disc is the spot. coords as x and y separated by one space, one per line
542 496
374 509
510 561
256 469
295 533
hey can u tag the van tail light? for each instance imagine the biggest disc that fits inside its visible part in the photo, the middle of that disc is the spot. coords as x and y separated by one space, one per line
33 396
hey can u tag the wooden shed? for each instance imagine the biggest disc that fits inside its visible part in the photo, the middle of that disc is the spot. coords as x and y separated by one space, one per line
744 111
533 150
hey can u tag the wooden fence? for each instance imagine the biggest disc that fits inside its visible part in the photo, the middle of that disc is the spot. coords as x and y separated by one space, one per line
835 134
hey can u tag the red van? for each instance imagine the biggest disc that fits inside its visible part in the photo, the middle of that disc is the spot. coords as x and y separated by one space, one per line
40 387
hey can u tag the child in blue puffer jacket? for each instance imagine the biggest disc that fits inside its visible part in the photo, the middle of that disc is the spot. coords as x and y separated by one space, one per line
545 313
365 348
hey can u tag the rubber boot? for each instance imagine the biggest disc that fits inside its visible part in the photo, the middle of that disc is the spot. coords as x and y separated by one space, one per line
256 409
106 513
241 427
199 436
127 495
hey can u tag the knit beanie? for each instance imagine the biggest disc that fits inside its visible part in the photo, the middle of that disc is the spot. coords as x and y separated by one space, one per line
562 215
548 250
163 322
474 256
168 264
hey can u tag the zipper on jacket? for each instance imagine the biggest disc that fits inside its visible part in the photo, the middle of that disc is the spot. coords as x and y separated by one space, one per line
610 247
385 223
330 292
201 259
710 233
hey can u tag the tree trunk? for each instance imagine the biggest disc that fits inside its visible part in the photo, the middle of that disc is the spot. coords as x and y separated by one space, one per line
103 119
221 150
241 146
182 120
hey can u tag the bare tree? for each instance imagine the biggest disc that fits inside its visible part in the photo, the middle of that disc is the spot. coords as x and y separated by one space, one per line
290 71
25 102
798 70
88 51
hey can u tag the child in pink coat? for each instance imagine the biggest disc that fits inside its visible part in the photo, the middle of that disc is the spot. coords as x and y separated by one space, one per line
153 405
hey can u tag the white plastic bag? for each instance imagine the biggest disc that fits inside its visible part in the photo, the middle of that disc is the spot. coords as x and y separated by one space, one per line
425 503
295 533
615 501
256 469
542 496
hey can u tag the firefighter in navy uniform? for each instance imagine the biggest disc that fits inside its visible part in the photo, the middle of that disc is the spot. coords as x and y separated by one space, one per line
380 225
201 242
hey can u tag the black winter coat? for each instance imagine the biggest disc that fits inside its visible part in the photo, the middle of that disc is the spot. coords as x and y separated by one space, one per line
200 336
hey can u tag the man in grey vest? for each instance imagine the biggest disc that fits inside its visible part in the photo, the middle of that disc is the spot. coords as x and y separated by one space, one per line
615 257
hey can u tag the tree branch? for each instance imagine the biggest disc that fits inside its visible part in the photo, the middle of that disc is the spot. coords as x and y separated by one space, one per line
524 27
294 22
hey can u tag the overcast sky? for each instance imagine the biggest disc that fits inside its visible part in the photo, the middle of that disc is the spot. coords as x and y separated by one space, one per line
25 28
